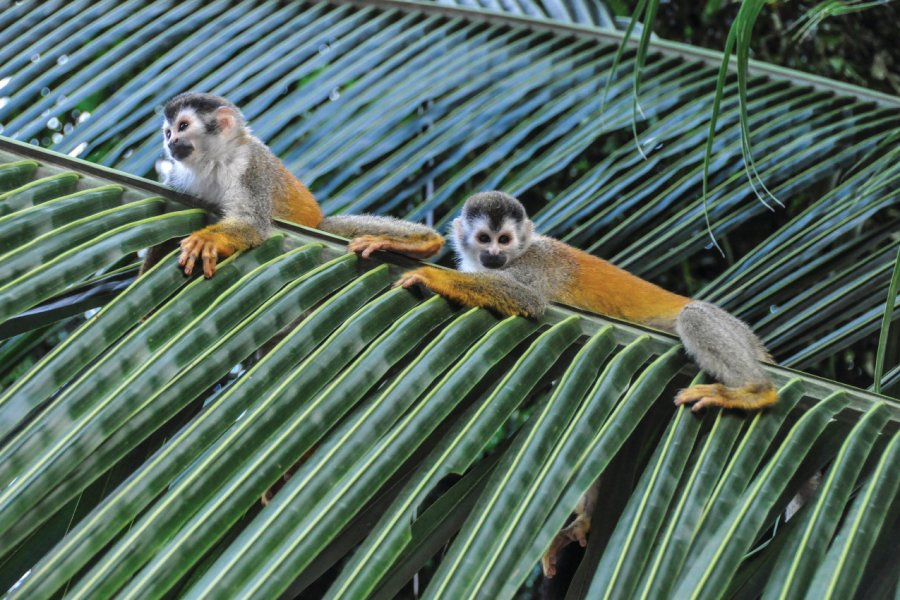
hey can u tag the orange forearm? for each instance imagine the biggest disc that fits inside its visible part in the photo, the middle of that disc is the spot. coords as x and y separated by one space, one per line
483 290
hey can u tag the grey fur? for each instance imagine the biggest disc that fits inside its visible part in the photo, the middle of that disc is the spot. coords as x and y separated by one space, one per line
531 277
351 226
543 268
200 102
233 172
495 207
721 344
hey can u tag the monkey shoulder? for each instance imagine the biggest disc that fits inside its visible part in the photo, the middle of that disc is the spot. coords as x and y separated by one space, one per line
544 266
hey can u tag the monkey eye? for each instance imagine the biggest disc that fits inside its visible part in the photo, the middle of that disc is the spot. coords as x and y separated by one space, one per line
484 238
182 126
504 239
168 133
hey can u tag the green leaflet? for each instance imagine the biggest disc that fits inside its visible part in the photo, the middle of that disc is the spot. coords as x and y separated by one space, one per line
712 563
295 542
391 535
507 486
246 478
205 370
435 526
32 222
89 341
603 442
59 273
618 571
19 261
37 191
98 528
559 465
839 574
79 424
804 550
15 174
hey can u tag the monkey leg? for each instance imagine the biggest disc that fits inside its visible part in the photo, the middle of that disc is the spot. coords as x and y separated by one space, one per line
417 246
269 494
214 242
369 233
576 531
726 348
494 291
750 397
156 254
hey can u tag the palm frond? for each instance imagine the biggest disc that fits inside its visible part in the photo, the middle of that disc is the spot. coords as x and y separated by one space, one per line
155 435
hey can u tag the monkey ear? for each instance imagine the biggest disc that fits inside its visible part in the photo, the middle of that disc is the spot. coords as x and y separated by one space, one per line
225 119
458 226
527 229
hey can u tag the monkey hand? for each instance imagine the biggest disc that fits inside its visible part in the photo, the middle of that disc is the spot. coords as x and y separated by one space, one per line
210 246
419 246
417 277
576 531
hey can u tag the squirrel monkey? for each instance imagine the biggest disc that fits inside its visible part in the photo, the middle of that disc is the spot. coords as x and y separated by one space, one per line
214 156
506 267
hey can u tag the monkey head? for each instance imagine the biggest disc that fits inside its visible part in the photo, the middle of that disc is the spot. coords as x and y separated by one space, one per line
492 231
199 126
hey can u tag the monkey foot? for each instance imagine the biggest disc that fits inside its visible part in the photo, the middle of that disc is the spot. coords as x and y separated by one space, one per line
748 397
269 494
273 489
415 248
576 531
208 246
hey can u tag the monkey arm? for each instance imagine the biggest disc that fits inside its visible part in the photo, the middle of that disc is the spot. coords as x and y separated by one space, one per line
495 291
217 241
369 233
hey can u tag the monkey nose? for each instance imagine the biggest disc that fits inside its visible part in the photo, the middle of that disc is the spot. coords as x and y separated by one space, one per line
493 261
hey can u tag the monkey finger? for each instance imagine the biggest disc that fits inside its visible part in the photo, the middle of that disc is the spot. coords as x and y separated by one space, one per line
210 255
704 402
580 535
366 245
189 263
360 243
190 250
408 280
370 249
548 561
185 251
548 567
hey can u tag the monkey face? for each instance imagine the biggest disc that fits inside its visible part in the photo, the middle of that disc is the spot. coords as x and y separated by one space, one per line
482 246
180 135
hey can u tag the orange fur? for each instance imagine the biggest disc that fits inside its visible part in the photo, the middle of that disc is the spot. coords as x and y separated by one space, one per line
609 290
469 289
293 201
749 397
215 242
